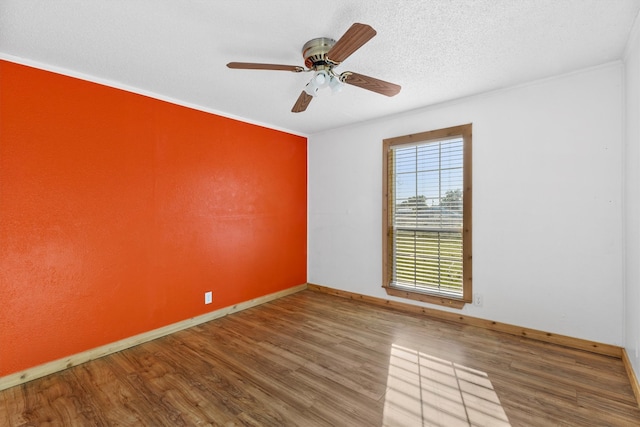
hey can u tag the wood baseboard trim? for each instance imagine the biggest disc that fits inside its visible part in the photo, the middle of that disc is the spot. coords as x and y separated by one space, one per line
576 343
633 379
48 368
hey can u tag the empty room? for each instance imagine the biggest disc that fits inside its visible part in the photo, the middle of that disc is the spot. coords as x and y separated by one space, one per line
338 213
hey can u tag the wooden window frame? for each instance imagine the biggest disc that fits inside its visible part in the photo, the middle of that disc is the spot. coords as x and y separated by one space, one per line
464 131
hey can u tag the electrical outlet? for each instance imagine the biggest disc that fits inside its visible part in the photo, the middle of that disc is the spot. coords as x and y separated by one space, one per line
477 300
208 297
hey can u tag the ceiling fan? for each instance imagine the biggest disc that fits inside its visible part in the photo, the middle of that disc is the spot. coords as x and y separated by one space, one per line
321 55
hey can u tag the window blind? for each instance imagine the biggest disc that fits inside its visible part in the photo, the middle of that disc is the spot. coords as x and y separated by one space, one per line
426 214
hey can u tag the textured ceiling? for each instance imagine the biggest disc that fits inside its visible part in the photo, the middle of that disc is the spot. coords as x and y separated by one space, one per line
437 50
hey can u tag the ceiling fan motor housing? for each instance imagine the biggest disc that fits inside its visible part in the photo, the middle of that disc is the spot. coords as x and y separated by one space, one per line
315 51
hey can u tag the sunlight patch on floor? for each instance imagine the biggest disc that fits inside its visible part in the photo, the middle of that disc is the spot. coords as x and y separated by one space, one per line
423 390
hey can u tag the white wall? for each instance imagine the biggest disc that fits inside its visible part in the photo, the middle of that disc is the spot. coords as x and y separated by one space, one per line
632 199
547 202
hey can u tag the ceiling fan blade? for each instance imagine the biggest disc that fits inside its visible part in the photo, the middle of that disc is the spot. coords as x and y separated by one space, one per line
370 83
355 37
255 66
302 103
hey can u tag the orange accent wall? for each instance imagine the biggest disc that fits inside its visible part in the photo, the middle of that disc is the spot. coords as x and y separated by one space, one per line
118 212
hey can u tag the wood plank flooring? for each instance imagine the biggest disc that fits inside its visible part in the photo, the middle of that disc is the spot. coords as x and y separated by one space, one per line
312 359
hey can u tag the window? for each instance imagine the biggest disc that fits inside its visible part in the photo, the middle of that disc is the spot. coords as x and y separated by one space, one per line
427 216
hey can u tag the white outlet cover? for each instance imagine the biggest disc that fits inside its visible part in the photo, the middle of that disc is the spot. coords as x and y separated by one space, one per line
477 300
208 297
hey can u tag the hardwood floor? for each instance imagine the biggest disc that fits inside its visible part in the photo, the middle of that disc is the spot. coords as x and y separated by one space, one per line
312 359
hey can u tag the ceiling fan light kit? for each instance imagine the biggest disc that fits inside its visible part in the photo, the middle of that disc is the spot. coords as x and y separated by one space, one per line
323 79
321 55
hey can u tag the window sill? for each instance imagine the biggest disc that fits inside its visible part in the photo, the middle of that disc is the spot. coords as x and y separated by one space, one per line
432 299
